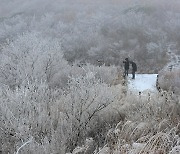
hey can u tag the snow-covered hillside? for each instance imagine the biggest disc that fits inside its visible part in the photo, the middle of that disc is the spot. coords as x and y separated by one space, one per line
143 82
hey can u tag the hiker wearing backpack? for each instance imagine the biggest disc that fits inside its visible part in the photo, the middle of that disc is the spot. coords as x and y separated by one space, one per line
134 69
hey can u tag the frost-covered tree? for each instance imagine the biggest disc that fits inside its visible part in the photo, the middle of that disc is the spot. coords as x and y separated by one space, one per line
102 30
31 57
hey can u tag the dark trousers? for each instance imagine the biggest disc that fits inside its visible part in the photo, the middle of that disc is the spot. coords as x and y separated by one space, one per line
126 72
133 74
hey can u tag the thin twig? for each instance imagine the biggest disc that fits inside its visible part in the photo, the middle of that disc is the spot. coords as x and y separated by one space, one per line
23 145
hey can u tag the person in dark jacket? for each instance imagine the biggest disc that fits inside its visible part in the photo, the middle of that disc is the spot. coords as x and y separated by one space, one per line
134 69
126 67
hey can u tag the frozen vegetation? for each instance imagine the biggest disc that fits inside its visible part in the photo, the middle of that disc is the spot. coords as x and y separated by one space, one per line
61 85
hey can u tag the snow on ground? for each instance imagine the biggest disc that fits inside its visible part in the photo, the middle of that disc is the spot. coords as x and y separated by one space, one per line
142 82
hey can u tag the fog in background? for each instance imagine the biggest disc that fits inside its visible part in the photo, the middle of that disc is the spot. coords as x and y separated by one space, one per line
102 30
10 7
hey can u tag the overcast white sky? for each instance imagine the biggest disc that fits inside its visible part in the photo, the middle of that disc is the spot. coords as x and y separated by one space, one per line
10 7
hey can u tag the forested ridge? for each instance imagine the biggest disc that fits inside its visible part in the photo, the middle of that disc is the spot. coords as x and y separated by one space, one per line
61 76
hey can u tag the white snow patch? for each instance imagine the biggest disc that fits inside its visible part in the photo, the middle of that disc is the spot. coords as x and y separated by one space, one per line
143 82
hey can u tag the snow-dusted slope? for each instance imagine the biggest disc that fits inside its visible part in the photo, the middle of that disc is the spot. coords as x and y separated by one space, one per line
142 82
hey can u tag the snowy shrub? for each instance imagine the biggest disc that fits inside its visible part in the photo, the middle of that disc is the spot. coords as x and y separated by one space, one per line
87 148
108 74
31 112
169 80
31 57
149 126
175 150
87 96
38 118
61 74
